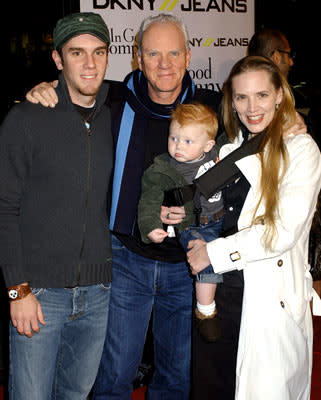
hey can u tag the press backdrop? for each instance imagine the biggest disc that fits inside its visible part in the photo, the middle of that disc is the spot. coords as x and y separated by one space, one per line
219 30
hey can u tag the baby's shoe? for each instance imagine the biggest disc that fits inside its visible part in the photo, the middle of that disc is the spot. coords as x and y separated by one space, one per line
209 327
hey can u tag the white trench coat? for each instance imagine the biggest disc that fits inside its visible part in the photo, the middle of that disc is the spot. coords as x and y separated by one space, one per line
274 358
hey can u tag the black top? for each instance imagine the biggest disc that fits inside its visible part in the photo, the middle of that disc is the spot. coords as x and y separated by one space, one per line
170 249
54 180
155 129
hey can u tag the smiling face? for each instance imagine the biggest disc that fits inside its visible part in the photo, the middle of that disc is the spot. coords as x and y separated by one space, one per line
84 61
254 99
164 60
188 142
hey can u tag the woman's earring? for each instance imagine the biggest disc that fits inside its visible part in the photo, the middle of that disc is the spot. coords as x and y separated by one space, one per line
277 105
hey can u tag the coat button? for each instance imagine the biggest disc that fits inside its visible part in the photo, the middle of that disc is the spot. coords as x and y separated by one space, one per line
280 263
231 208
282 304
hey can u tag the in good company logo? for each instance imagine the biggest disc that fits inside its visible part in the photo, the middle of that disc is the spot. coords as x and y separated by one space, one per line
234 6
205 74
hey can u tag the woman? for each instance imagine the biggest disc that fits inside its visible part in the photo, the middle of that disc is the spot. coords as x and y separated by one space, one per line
274 358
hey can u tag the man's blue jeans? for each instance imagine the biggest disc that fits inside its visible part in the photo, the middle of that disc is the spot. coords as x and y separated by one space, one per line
141 285
61 361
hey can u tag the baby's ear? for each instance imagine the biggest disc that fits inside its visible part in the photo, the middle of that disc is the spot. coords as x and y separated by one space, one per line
209 145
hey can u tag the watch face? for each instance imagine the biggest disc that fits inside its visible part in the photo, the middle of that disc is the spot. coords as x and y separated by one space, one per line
13 294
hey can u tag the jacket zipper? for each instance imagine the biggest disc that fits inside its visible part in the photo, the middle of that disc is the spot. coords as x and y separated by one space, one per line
87 125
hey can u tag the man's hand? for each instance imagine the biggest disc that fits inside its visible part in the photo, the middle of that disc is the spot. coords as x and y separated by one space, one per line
298 128
25 315
157 235
197 256
172 215
44 93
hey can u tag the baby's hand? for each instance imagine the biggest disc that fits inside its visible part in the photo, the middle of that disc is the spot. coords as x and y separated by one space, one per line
157 235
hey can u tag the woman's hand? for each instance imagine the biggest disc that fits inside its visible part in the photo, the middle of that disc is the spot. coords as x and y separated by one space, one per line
197 256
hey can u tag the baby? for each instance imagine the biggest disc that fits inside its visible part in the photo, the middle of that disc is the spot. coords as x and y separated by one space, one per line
191 153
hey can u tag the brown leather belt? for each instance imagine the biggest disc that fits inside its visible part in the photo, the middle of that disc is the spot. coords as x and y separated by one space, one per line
206 219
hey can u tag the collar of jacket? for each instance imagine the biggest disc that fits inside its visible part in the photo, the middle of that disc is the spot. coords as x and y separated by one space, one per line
140 101
65 100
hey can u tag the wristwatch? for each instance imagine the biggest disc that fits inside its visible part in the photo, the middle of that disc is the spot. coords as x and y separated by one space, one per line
18 292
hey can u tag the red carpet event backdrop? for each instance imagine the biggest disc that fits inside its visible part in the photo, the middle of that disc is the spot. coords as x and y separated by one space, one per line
219 30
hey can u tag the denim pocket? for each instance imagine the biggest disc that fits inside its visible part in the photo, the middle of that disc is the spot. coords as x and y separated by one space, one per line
116 244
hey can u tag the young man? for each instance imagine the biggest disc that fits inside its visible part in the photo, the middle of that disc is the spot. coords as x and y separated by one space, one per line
55 250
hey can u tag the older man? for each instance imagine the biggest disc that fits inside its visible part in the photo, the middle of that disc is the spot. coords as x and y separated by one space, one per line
149 277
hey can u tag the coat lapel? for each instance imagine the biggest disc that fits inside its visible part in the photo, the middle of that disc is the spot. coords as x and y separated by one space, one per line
250 167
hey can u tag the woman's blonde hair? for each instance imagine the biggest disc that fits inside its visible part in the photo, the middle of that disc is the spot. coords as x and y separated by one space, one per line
272 152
